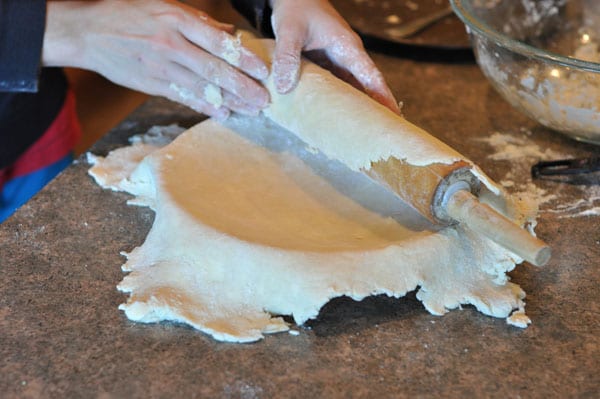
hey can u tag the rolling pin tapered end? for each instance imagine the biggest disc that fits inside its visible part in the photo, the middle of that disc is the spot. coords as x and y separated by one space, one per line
465 208
543 256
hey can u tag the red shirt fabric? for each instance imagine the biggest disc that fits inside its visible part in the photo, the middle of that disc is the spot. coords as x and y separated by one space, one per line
56 142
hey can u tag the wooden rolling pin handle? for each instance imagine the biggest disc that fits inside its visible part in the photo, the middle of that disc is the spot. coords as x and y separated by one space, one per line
465 208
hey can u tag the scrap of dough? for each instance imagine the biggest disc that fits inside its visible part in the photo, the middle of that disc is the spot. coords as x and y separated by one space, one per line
113 172
251 223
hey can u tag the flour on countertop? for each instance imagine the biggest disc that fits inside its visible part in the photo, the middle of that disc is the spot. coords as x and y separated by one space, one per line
411 5
513 148
522 152
393 19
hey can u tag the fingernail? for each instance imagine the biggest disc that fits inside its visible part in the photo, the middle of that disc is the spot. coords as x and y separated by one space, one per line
284 84
286 78
386 100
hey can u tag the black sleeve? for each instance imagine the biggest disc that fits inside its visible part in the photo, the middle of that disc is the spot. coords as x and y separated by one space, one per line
22 25
257 12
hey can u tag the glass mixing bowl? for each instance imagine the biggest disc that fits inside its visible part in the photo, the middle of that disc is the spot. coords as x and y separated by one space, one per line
542 56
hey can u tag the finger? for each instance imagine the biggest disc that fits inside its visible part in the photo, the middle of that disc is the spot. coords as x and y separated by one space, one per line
236 104
226 47
373 83
222 75
190 88
207 92
320 58
355 59
183 86
185 96
287 56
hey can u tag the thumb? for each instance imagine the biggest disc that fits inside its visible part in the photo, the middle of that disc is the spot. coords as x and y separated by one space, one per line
286 58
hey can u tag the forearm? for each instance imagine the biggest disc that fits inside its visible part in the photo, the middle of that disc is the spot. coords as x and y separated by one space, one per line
67 24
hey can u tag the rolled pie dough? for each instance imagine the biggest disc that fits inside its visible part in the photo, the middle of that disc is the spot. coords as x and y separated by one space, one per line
253 221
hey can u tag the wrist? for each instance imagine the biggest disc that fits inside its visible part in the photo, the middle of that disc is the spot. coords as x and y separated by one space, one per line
63 38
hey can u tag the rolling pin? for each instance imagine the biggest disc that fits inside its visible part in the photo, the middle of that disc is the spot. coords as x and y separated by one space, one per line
347 125
447 194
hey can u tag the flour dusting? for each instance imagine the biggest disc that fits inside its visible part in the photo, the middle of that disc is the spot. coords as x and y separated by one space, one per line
158 135
522 152
233 50
513 148
185 94
212 94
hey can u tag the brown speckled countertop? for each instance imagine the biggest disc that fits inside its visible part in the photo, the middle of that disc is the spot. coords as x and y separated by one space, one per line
61 335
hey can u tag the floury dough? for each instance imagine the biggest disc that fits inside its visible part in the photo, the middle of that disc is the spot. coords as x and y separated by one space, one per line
322 109
252 223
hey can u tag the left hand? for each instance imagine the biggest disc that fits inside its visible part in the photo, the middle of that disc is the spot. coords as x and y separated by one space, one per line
160 47
316 27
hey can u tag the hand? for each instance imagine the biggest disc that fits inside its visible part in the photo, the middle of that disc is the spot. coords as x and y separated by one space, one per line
160 47
315 26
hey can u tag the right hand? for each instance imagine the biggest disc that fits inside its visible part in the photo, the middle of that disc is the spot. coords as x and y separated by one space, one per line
160 47
317 29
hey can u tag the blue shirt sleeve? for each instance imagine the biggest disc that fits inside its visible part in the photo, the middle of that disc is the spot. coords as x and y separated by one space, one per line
22 25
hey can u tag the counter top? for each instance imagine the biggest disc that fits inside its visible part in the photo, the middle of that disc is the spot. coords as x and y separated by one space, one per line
62 336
